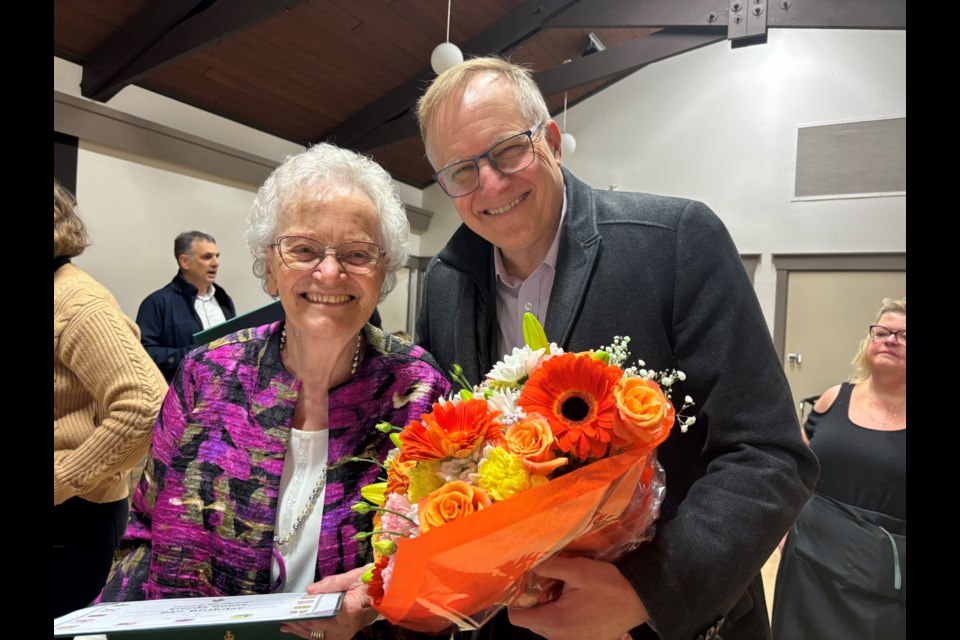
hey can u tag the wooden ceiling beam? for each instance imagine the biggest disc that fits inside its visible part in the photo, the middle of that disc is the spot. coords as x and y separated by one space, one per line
621 14
128 42
820 14
511 31
178 38
624 58
829 14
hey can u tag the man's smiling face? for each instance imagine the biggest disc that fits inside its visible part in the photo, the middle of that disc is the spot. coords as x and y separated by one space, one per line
520 212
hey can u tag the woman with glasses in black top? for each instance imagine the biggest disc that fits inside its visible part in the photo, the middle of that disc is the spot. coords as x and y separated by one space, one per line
843 569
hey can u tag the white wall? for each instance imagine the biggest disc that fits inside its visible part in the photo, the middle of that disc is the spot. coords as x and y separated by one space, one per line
719 125
134 211
134 207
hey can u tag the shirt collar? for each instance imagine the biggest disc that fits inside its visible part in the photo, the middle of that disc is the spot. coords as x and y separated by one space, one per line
550 259
210 291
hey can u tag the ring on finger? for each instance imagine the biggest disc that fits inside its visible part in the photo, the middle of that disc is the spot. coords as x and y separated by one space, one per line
318 634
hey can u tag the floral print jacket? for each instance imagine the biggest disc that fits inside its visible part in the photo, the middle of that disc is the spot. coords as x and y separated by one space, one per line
202 518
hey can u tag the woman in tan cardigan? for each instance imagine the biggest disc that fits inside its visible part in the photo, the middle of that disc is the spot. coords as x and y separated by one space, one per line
106 395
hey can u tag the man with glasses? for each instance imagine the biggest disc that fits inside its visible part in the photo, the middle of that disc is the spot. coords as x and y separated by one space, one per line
591 265
189 303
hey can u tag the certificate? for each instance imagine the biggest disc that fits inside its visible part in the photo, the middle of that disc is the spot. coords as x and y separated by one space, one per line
256 617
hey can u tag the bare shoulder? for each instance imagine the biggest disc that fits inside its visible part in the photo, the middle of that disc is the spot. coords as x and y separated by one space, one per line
826 399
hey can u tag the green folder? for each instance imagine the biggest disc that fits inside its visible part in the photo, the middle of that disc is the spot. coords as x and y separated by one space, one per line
264 315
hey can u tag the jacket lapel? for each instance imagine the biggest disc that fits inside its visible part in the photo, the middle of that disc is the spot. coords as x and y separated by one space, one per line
576 260
475 325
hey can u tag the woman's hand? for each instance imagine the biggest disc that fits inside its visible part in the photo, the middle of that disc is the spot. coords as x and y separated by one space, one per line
355 611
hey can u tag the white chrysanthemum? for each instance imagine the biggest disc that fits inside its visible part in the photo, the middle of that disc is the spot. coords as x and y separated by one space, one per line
521 363
503 400
456 469
517 365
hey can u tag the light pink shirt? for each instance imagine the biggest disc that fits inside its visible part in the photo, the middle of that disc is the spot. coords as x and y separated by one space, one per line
516 296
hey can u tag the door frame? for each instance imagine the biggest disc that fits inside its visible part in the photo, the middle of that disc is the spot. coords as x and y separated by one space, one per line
784 263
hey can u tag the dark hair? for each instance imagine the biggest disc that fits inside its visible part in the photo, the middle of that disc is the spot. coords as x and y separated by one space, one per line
183 245
69 232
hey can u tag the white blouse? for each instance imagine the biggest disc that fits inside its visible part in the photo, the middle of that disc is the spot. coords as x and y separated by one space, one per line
305 461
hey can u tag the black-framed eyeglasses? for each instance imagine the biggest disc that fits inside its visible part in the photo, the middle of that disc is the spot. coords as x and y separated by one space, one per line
303 254
509 156
879 333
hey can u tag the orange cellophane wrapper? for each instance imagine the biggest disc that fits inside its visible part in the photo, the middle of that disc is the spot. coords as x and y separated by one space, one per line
462 573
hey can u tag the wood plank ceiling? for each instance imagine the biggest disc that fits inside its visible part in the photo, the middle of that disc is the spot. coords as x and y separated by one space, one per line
349 71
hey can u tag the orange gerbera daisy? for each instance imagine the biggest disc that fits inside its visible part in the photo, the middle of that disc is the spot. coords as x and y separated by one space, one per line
575 394
451 430
397 478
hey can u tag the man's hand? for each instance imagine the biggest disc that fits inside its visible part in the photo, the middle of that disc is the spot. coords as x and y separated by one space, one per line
597 602
355 611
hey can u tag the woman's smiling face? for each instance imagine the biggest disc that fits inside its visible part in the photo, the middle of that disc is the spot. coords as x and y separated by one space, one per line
328 300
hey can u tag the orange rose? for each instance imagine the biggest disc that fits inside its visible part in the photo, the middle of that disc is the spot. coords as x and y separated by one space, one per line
450 502
644 414
532 440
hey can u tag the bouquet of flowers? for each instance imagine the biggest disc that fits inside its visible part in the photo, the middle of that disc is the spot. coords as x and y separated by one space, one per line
553 452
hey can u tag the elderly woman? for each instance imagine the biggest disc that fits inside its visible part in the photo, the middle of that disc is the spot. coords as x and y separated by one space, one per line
106 395
844 566
254 463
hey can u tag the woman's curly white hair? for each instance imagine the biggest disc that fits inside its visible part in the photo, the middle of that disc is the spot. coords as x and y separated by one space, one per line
328 164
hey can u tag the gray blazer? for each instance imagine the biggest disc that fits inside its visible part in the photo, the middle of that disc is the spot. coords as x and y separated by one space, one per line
665 272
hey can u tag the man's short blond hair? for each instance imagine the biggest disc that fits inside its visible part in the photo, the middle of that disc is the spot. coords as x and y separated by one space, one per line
529 99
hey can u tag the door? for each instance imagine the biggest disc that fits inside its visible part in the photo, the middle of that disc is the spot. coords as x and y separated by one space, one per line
827 314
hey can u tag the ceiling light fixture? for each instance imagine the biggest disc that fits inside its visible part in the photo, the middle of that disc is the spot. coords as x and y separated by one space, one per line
568 144
446 54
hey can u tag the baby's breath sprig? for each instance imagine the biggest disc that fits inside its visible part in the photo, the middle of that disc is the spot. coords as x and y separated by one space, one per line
619 351
685 421
665 378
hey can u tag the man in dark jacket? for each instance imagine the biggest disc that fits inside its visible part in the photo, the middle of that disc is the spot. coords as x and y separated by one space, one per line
168 318
593 264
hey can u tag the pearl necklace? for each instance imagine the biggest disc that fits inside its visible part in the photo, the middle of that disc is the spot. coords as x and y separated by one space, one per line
307 510
356 353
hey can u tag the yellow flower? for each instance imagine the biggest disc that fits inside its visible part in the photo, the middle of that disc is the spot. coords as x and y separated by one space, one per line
502 474
423 480
375 493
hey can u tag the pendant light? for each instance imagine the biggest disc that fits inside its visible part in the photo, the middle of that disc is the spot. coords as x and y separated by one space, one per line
446 54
